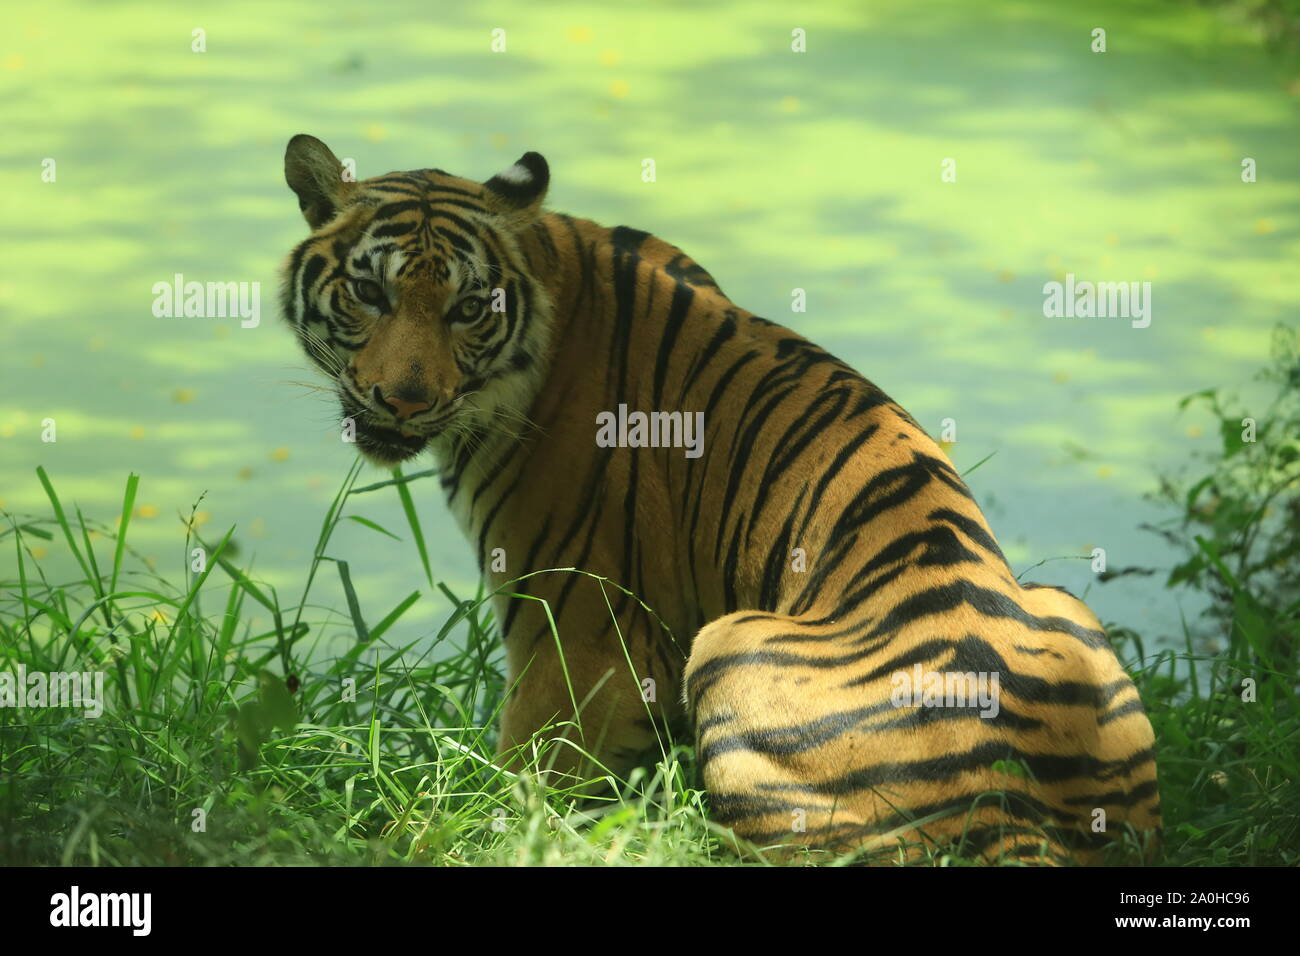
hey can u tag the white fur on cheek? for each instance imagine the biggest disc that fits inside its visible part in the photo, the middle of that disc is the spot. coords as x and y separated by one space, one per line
396 259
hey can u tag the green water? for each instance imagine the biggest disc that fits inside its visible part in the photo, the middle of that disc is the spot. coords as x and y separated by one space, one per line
777 170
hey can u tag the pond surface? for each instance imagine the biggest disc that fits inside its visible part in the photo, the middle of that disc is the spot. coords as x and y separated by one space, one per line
778 170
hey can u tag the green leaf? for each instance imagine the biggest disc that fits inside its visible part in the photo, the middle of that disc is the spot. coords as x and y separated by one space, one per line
279 709
63 523
128 504
1230 433
1195 491
247 724
413 519
394 614
978 463
374 527
354 606
1186 400
1012 767
399 479
1187 571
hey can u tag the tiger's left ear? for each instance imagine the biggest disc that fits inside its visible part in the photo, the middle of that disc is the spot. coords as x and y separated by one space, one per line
517 193
316 176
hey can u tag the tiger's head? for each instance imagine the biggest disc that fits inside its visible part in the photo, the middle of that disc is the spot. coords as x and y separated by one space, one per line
413 295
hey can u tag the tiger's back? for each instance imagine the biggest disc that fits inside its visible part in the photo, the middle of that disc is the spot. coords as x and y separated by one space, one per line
860 665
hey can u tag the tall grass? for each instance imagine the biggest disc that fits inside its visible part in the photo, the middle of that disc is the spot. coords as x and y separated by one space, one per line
1226 710
219 745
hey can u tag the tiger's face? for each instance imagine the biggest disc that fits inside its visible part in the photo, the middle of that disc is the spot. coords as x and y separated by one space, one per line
413 296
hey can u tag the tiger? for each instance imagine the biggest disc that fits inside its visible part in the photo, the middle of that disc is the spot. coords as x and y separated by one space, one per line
774 560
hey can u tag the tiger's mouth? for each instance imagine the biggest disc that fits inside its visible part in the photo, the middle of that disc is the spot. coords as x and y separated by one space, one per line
387 446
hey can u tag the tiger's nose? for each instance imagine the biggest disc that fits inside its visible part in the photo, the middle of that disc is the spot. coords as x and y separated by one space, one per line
400 407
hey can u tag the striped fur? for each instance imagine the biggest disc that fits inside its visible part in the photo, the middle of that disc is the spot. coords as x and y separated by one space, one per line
789 670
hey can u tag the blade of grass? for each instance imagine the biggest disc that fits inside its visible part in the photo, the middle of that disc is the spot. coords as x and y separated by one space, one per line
354 606
399 480
377 631
413 519
978 463
128 504
62 519
373 526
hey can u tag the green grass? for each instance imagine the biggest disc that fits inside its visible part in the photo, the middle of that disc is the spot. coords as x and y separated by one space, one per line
254 730
226 743
201 716
1226 711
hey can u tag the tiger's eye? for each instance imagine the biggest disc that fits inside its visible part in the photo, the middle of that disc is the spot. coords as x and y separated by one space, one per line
467 310
369 292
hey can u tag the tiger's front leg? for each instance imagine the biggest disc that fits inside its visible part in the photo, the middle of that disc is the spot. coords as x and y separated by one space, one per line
595 700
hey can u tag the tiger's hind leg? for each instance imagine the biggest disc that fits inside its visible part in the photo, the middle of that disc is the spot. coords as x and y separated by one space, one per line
761 720
801 743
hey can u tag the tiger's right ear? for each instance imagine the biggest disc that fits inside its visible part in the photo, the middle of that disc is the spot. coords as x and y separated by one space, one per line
517 192
316 175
